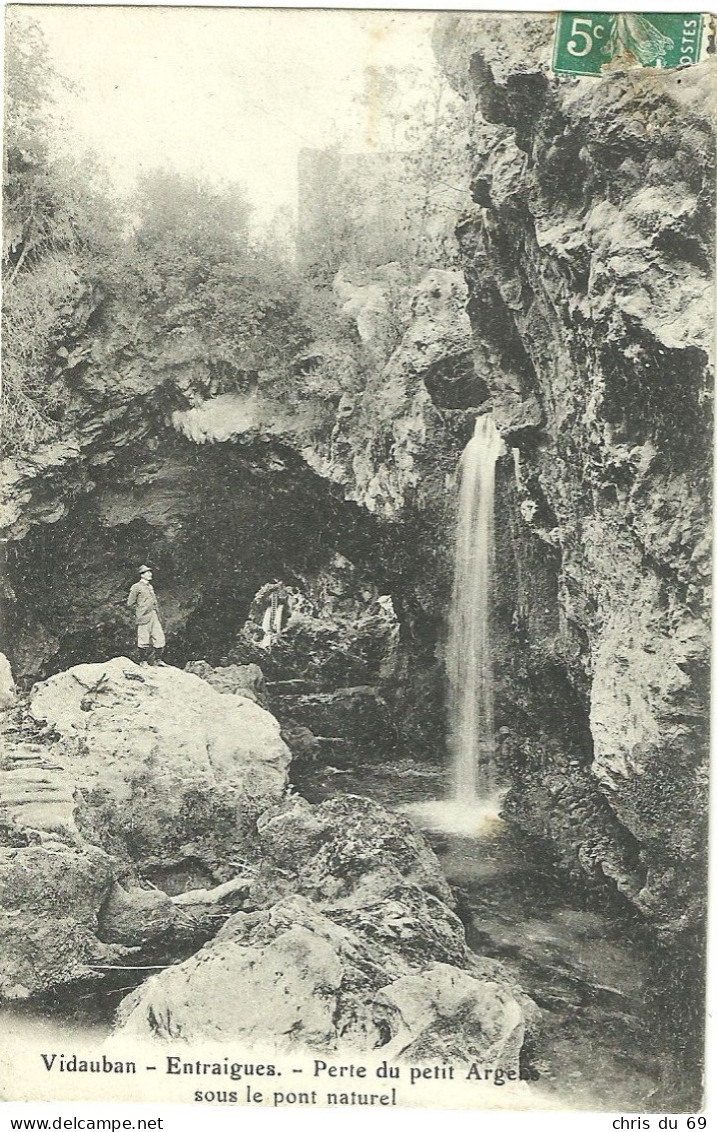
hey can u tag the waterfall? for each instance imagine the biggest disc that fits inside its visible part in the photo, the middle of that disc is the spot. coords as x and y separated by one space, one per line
471 732
473 809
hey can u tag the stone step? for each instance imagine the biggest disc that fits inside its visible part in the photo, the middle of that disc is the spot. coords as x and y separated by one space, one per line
48 798
29 774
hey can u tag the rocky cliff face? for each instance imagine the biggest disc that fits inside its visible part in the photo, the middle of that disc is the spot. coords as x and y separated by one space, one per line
588 260
225 491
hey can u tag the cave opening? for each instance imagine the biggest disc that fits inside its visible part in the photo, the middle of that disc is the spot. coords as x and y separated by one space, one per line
215 523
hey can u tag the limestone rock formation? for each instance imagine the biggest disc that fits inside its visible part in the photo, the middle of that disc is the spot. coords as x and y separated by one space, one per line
191 510
338 631
200 912
580 316
346 941
337 645
233 679
390 436
368 305
121 773
135 916
445 1014
329 851
167 769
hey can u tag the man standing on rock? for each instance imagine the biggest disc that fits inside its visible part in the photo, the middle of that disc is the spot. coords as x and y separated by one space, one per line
150 635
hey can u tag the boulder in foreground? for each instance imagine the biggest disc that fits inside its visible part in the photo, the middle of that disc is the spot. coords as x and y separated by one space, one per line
167 770
293 979
121 773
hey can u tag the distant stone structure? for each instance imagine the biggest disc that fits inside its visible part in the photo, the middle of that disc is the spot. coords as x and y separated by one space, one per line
354 208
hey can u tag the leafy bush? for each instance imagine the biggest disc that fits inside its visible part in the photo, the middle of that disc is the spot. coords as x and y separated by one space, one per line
31 318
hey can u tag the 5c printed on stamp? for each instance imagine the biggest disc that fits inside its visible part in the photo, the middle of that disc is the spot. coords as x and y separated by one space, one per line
586 41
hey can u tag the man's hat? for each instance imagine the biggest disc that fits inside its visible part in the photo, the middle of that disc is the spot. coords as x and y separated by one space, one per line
145 570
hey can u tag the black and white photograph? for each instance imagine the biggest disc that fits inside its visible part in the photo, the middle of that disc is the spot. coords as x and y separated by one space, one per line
355 529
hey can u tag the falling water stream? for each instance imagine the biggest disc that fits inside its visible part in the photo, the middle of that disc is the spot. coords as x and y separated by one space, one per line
471 732
474 793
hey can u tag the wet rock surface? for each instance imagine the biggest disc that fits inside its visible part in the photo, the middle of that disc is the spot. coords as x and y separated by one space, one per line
601 1042
329 851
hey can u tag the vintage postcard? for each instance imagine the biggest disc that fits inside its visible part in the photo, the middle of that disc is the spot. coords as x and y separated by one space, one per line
357 456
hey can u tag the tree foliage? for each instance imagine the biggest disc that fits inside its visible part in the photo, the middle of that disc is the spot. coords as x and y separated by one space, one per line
175 260
56 230
198 276
397 199
176 270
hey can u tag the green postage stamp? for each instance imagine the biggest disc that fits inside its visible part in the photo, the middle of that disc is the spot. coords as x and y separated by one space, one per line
586 41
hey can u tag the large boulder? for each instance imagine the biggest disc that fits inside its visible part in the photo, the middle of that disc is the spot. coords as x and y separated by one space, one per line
49 902
165 769
329 851
118 773
350 945
402 919
292 978
447 1015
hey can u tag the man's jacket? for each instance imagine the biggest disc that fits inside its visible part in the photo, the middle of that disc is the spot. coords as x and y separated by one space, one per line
143 600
